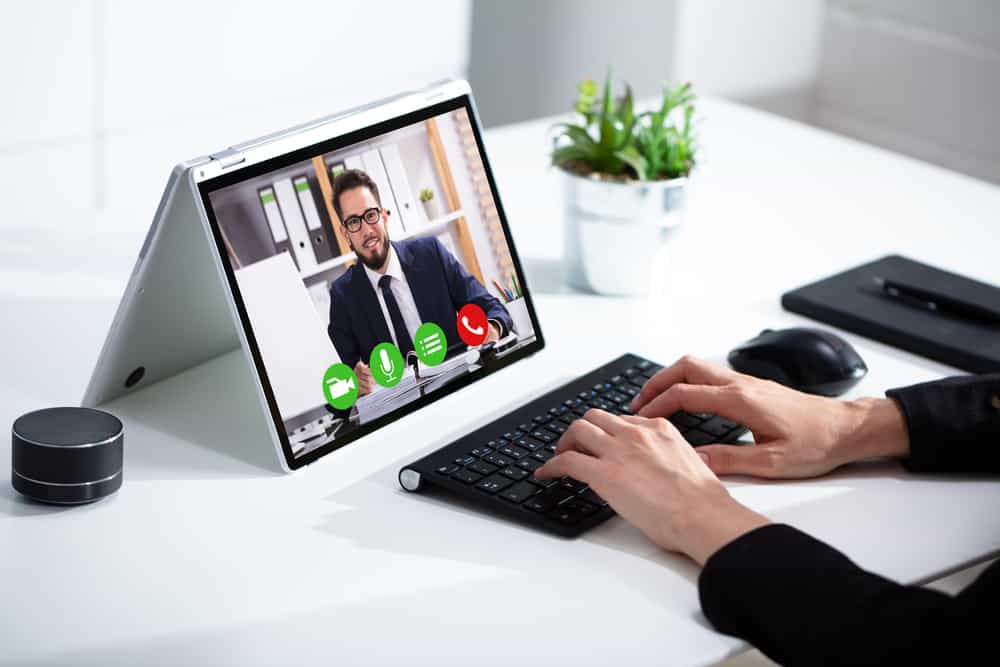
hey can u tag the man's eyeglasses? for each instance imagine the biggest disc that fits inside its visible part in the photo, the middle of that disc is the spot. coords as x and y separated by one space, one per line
371 216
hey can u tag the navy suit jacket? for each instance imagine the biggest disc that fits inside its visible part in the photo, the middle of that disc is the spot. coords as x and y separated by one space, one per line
440 287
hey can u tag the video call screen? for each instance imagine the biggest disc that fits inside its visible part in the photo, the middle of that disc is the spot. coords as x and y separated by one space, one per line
372 276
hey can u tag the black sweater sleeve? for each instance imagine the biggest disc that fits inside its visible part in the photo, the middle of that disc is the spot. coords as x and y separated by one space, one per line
803 602
954 424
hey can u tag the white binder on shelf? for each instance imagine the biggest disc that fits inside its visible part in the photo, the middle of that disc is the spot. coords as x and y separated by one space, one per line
274 222
298 233
409 214
320 242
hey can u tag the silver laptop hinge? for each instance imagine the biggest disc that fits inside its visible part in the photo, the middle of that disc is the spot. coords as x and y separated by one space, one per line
229 157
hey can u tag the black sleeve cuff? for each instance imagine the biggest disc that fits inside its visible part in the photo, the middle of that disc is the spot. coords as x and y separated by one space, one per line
953 424
802 602
500 326
746 588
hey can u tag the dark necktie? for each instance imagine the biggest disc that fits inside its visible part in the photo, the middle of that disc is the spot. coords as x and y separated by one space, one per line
398 325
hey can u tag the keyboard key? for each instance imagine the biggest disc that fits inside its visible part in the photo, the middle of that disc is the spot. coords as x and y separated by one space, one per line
542 420
569 418
547 499
498 443
516 474
568 517
530 444
529 464
704 416
629 389
698 437
543 435
542 455
571 512
511 436
617 397
514 452
617 379
581 409
556 428
447 470
543 483
683 420
481 451
466 476
591 497
482 468
578 505
586 395
519 492
717 426
572 485
494 483
644 364
729 423
464 460
526 427
497 460
630 373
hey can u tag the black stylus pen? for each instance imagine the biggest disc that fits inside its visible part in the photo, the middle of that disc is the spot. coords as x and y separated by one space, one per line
935 302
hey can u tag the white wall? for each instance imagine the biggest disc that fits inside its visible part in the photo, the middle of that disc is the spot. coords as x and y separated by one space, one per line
762 52
103 97
527 56
920 77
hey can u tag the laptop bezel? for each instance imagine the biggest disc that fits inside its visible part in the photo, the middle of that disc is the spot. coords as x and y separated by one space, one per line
280 151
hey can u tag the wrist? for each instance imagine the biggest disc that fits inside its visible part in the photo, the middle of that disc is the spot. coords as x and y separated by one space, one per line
718 524
876 429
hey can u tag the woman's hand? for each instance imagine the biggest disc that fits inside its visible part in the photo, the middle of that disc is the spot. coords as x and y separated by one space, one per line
796 434
654 479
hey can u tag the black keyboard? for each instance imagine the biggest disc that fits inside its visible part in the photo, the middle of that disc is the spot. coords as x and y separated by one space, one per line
493 466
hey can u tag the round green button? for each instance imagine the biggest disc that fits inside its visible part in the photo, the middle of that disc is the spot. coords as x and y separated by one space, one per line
430 344
386 364
340 386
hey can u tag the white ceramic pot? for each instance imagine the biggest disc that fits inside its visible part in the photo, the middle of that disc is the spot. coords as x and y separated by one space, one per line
614 230
431 209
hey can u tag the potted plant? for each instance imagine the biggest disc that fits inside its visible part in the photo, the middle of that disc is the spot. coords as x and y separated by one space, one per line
429 204
625 176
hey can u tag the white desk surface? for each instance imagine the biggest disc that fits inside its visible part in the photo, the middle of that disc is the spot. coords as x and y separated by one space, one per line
208 555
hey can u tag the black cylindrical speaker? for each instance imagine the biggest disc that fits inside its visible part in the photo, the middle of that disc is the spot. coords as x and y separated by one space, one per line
67 456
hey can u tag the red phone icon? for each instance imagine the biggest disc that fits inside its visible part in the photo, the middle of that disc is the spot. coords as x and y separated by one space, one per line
472 325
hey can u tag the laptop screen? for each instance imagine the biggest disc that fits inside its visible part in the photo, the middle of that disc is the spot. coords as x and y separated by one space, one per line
373 273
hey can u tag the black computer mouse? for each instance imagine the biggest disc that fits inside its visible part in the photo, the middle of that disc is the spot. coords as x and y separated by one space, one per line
810 360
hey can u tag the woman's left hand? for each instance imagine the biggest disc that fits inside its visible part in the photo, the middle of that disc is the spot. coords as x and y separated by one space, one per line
654 479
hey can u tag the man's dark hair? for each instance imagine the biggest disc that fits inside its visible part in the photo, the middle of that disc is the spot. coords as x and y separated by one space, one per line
348 180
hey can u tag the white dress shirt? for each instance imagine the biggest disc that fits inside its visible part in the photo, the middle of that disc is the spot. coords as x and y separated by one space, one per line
401 291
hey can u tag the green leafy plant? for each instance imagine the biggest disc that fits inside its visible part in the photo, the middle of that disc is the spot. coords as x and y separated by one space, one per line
426 195
614 142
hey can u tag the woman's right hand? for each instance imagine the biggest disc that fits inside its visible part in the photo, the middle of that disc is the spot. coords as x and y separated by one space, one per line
796 434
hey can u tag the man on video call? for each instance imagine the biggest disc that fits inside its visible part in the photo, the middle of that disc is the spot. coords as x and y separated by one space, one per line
395 286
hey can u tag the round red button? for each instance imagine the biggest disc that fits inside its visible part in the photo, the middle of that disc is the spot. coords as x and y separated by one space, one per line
472 325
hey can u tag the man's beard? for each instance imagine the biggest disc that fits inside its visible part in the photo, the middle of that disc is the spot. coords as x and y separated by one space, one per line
376 261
